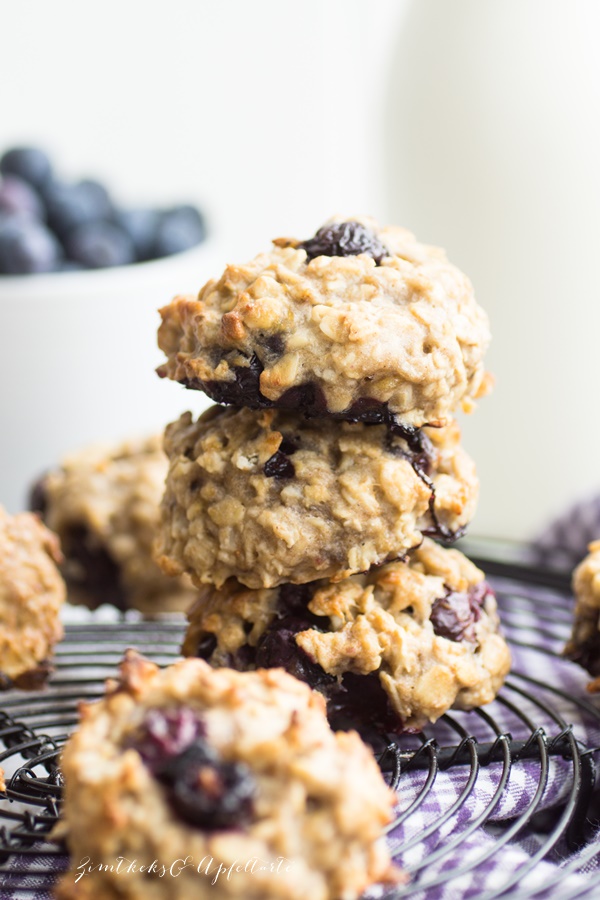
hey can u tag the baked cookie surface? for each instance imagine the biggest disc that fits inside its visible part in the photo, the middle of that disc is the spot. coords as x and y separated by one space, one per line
191 763
104 503
270 497
584 644
361 323
391 649
32 592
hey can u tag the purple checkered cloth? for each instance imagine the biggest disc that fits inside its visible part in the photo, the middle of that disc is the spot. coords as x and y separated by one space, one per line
430 844
563 543
475 835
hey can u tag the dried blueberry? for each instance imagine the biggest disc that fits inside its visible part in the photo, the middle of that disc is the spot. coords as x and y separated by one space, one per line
454 615
202 788
100 245
28 163
165 734
208 792
479 593
279 466
278 648
293 602
27 248
277 645
344 239
243 391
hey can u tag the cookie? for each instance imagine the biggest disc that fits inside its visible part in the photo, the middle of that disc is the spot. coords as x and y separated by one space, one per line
391 649
32 592
584 644
104 502
269 497
360 323
230 772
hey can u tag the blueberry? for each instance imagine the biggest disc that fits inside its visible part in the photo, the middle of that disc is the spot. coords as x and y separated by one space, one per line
141 225
202 788
97 197
361 702
454 615
208 792
179 229
27 248
18 197
72 205
344 239
278 648
166 733
28 163
279 466
69 265
277 645
98 245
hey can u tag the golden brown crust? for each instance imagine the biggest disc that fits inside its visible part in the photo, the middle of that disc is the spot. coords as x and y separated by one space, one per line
304 809
351 498
112 494
31 594
377 622
407 332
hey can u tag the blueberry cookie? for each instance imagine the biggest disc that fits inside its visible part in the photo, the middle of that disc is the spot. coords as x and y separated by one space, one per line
104 502
269 497
360 322
31 594
227 772
390 650
584 644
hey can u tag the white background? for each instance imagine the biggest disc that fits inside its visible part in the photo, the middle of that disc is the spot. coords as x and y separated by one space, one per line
473 122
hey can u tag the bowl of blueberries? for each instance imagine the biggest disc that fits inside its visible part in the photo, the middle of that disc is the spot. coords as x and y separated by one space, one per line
81 280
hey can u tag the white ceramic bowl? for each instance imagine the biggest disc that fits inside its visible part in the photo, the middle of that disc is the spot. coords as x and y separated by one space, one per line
77 358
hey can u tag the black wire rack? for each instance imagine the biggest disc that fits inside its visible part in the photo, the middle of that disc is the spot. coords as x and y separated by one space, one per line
530 724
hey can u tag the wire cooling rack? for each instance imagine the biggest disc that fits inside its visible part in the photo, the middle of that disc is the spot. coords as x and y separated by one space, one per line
542 735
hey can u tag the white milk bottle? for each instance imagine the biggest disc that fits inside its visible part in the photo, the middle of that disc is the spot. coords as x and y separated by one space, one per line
493 142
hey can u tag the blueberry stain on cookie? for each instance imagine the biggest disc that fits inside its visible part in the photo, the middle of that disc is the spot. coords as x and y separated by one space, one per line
344 239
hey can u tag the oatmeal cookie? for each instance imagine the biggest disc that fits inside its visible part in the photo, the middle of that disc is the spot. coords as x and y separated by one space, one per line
268 497
391 649
584 644
361 323
104 502
220 768
31 595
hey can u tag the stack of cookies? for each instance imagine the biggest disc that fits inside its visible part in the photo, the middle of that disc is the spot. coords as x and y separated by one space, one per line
304 504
